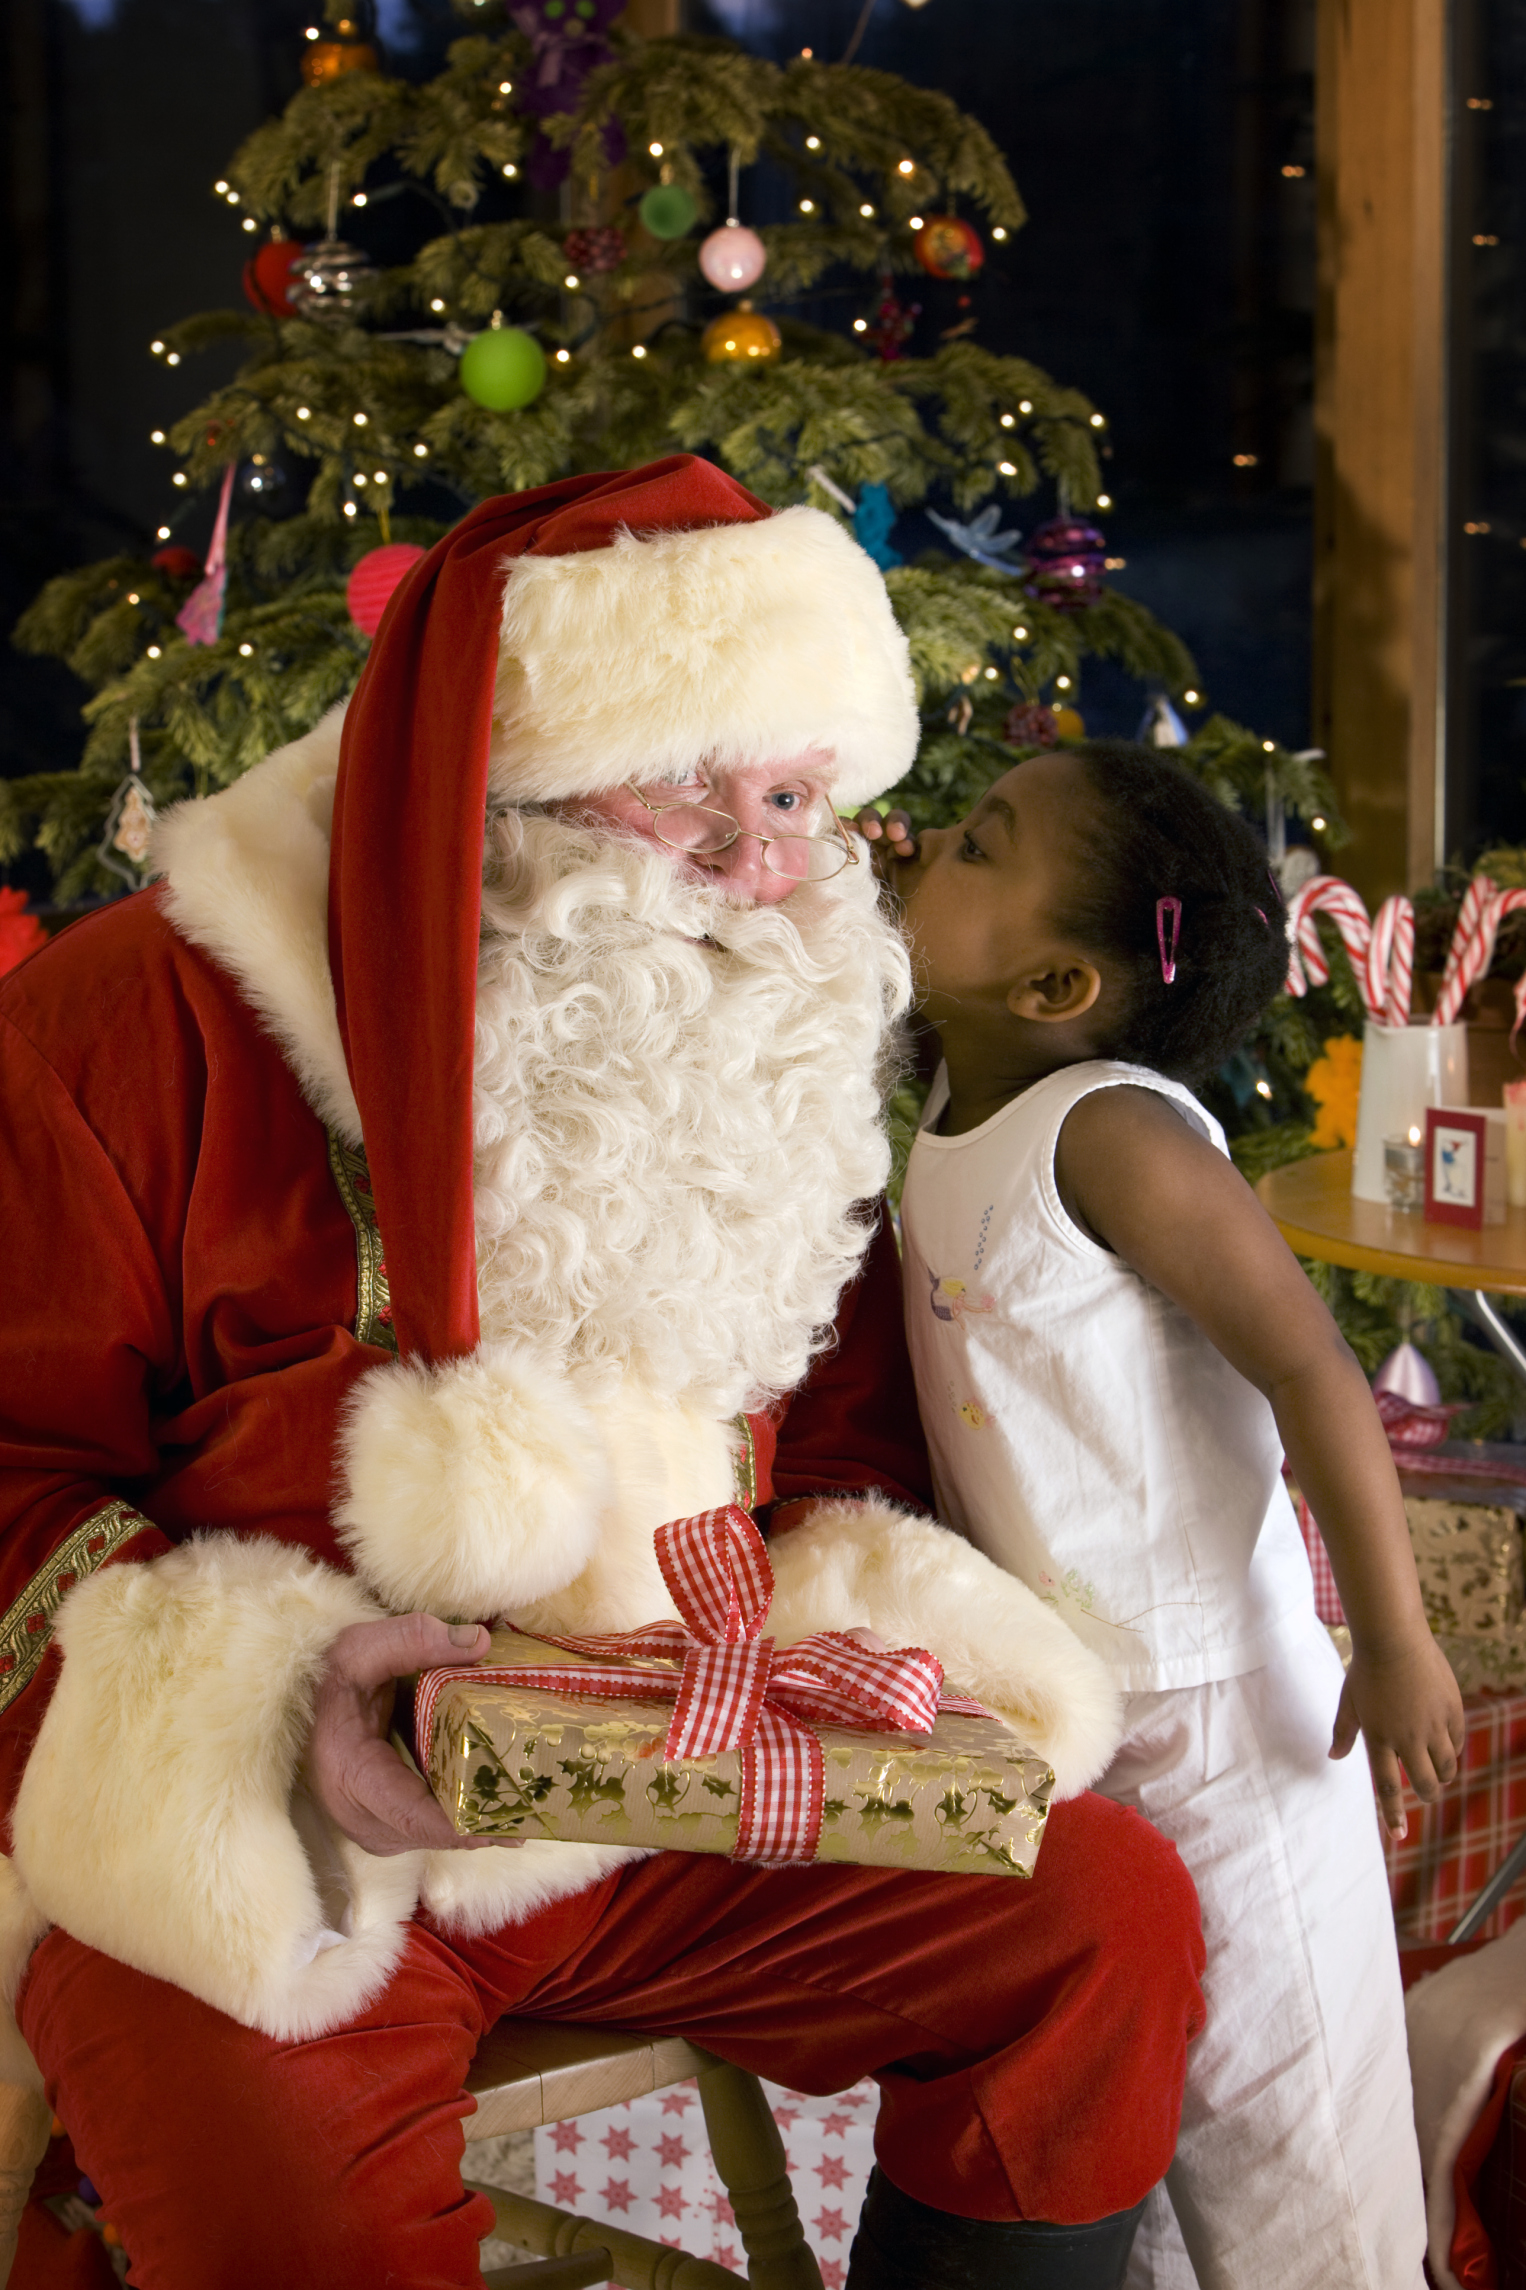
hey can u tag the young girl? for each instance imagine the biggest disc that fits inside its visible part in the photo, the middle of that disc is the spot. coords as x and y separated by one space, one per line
1113 1348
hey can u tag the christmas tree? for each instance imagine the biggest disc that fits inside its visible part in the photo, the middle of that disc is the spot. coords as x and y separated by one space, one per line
573 199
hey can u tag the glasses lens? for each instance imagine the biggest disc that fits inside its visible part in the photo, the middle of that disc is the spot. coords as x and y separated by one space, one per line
688 827
806 858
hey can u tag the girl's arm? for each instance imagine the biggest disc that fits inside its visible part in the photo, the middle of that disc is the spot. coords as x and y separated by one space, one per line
1131 1171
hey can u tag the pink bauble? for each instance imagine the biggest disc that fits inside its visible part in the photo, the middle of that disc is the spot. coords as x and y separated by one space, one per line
733 258
368 591
1409 1374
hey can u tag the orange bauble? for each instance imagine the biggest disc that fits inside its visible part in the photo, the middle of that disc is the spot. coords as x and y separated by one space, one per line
741 337
325 61
947 247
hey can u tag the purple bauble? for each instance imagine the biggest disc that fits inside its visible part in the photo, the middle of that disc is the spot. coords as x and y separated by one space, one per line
1066 559
733 258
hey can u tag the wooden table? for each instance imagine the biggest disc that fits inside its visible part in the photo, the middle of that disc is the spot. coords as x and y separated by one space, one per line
1310 1202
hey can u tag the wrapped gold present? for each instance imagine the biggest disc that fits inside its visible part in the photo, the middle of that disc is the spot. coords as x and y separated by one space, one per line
1468 1556
702 1737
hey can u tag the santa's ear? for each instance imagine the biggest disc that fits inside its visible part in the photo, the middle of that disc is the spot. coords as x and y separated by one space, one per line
1063 990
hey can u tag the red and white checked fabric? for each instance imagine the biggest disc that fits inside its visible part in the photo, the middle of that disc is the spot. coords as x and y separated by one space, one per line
735 1690
646 2165
1454 1846
1327 1599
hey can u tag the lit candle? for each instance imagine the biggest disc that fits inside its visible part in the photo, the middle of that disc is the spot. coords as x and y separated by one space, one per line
1404 1170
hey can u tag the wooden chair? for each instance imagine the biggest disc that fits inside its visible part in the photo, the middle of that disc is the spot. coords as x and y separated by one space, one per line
530 2072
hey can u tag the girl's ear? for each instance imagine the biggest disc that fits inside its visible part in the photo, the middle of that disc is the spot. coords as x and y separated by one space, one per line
1061 993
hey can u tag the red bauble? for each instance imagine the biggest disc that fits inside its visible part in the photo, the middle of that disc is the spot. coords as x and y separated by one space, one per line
177 563
368 591
594 251
1031 724
268 276
947 247
1065 559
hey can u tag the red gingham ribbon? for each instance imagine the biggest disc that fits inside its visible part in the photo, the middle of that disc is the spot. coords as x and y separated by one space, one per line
735 1690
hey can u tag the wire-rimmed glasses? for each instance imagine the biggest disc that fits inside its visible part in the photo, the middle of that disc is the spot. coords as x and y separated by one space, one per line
703 831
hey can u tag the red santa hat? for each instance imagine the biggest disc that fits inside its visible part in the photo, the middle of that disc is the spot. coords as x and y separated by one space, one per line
557 643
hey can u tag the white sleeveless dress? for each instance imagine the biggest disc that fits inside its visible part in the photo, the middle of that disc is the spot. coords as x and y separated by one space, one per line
1086 1435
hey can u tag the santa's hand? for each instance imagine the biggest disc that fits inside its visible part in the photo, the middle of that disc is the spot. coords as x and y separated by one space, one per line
351 1768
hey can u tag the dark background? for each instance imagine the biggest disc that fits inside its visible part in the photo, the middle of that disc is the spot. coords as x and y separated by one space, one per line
1167 270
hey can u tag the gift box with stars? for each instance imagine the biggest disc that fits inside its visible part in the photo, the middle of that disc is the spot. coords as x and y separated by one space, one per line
646 2165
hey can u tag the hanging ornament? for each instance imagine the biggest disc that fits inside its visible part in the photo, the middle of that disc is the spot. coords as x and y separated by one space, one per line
324 61
873 522
324 282
21 933
503 367
1160 725
568 40
733 258
667 211
891 326
368 591
200 618
740 337
947 247
1065 560
980 539
129 821
323 285
1070 723
262 478
1031 724
268 277
595 251
176 563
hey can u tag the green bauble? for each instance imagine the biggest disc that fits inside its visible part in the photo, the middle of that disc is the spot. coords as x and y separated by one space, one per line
503 368
668 211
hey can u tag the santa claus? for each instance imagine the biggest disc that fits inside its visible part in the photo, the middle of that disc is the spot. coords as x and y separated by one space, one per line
442 1178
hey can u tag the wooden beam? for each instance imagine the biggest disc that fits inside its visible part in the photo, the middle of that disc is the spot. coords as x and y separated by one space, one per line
1381 117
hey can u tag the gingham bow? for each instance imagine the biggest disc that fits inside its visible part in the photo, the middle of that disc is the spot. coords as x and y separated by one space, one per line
736 1691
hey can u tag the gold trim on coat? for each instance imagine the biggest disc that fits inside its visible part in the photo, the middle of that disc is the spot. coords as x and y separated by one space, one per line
373 1296
26 1628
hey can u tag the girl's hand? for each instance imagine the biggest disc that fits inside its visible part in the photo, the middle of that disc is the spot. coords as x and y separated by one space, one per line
1407 1706
888 839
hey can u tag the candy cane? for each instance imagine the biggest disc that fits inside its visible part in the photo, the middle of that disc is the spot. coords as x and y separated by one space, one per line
1327 894
1391 962
1471 962
1471 950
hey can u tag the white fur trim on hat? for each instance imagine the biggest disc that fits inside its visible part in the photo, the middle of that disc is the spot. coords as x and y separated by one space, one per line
736 643
917 1584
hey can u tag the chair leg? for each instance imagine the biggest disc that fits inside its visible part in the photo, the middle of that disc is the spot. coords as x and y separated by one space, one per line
749 2160
25 2121
630 2260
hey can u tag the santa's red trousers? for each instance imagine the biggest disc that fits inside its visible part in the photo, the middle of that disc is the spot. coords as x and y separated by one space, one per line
1029 2040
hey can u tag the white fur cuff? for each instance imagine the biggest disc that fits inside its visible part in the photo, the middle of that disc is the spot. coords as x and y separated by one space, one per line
471 1488
154 1819
917 1584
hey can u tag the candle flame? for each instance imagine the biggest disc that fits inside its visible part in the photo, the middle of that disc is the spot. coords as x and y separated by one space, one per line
1414 1134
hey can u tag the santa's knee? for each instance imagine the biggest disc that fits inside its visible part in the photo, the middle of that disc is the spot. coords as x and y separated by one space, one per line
1123 1895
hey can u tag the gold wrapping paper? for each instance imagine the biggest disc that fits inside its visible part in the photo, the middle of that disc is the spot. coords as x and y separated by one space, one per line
507 1761
1468 1556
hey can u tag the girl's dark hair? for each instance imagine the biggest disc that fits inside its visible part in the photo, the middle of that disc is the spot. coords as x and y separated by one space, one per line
1151 831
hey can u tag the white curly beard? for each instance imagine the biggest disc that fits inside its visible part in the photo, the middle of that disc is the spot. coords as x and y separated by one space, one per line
677 1112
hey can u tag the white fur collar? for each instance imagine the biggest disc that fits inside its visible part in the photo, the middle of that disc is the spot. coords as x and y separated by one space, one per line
247 876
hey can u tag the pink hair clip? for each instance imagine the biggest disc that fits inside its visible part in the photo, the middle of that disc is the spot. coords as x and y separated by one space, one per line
1163 907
